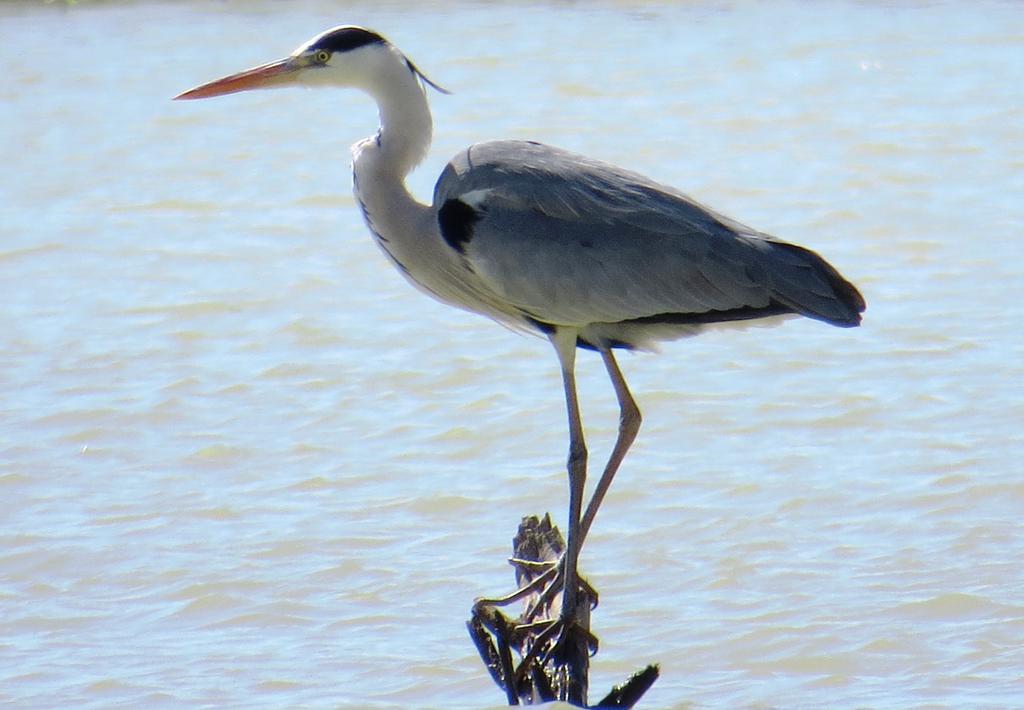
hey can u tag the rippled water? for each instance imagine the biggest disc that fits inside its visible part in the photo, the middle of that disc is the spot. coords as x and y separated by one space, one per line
242 463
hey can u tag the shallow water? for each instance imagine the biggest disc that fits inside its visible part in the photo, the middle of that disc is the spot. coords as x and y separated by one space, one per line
242 463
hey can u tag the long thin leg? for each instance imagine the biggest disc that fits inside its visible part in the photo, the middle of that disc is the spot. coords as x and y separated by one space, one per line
629 425
564 341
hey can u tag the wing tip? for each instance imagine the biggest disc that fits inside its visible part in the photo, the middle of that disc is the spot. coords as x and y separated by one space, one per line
842 307
850 297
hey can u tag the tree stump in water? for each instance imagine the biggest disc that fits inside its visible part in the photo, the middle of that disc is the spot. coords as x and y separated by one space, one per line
547 670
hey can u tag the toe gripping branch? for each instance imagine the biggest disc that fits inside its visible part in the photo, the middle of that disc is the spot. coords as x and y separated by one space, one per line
554 649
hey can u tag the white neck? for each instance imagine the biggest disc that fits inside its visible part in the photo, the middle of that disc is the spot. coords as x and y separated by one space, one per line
381 163
405 127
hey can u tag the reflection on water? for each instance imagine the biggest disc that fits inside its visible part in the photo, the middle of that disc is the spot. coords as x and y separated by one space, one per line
243 463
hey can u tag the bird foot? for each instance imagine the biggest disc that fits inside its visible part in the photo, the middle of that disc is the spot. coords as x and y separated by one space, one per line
540 590
569 633
559 640
545 600
550 575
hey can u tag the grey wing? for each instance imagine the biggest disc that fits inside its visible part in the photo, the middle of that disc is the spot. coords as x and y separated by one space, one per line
571 241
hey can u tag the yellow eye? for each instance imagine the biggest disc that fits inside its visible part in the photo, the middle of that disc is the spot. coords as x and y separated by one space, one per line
321 56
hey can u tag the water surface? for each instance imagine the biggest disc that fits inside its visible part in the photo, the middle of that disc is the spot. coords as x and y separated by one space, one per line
242 463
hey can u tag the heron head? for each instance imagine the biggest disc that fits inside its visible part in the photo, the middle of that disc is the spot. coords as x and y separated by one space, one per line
343 56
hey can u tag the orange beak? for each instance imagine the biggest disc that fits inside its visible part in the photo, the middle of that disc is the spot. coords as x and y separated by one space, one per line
265 76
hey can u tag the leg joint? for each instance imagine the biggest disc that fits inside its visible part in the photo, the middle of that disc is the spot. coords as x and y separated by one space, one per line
577 455
630 418
629 421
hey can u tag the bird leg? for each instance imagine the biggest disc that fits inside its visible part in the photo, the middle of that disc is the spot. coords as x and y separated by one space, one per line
629 425
564 576
564 341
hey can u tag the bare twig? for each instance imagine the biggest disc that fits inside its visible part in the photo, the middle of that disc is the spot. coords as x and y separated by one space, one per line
554 653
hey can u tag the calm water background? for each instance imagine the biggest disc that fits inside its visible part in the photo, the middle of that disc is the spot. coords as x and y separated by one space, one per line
243 463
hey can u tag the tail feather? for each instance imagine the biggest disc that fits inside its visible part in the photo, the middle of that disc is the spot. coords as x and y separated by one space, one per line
838 303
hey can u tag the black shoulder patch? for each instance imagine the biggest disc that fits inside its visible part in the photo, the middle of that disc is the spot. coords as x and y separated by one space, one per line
456 220
345 39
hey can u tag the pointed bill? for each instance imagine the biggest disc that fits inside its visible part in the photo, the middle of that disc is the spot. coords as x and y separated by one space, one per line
265 76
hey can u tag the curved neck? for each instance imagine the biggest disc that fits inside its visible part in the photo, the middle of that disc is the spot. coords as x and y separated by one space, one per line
405 130
381 163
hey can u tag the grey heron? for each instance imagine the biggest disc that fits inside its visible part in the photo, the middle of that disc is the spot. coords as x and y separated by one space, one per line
540 239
